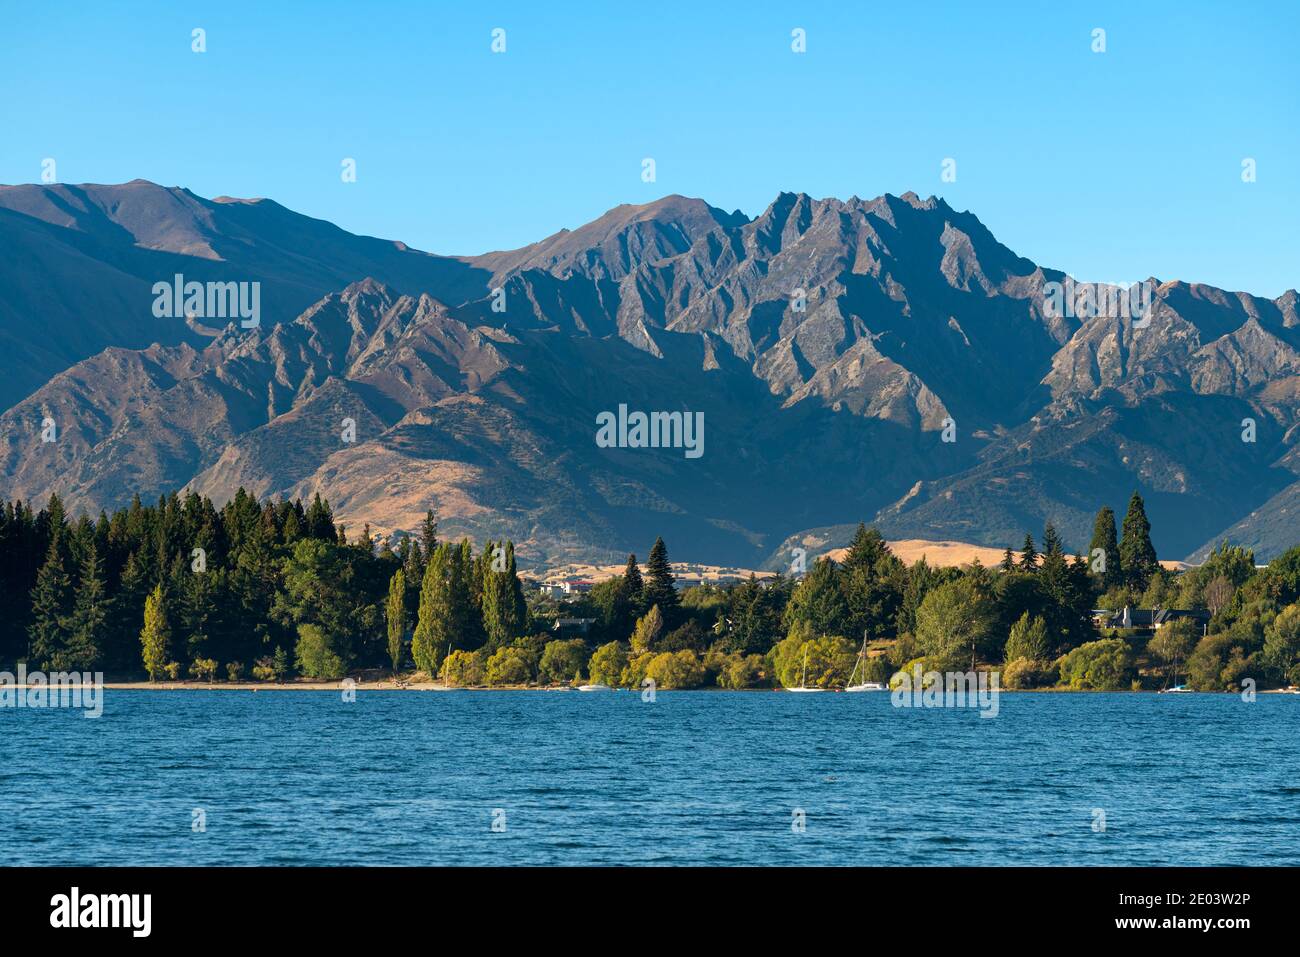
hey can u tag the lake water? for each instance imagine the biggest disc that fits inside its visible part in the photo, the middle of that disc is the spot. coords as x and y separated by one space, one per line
693 778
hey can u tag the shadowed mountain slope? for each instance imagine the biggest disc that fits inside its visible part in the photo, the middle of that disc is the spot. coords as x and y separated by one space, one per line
832 346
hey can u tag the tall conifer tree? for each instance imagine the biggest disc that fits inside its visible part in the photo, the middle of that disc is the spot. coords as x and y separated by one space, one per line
1028 555
89 614
1105 539
50 607
1137 554
659 589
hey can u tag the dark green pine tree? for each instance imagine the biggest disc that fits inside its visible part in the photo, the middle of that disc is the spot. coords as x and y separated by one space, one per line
819 600
1008 561
320 520
625 606
659 588
867 548
632 585
197 609
1052 541
1136 553
292 527
428 535
122 652
1028 555
1104 548
48 632
872 581
89 614
413 561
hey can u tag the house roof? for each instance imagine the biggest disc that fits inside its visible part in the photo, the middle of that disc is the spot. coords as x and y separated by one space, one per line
1148 617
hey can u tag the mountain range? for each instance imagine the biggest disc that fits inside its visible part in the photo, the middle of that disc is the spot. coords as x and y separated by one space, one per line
885 360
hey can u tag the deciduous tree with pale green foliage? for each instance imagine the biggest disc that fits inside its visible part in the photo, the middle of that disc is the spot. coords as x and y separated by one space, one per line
562 660
955 622
607 664
1105 665
1028 639
396 617
156 634
465 669
676 670
318 656
1174 643
648 629
510 666
1282 644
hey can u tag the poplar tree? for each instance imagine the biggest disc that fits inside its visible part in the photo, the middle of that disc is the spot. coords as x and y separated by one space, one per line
444 616
396 615
429 642
481 573
156 634
466 624
504 610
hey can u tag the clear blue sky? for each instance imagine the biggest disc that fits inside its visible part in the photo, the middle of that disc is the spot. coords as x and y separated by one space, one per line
1112 166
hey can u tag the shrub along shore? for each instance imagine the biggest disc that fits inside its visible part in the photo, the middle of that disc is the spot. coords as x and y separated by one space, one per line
277 595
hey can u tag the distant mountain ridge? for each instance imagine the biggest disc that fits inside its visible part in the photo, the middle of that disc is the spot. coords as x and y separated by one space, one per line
827 343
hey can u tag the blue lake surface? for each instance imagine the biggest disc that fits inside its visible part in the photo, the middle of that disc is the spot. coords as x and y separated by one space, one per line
711 778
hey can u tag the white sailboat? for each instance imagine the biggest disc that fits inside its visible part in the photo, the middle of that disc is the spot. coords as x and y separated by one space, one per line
863 685
803 683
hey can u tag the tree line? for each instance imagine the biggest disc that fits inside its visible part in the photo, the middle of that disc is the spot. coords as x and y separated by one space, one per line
182 589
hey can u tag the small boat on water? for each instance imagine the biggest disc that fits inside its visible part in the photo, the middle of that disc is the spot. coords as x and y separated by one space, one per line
1176 689
863 685
803 683
595 687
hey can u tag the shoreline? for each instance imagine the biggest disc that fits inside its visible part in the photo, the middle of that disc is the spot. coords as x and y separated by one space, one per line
426 686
